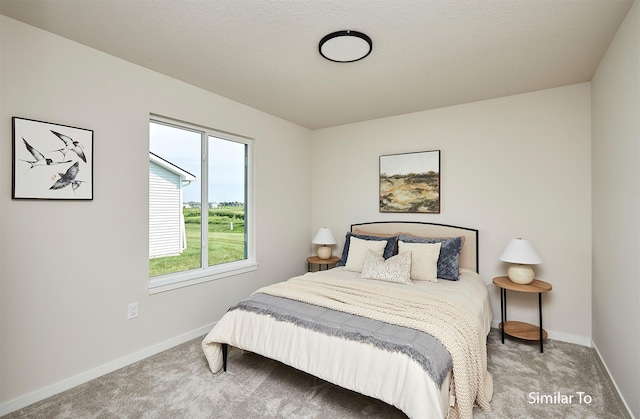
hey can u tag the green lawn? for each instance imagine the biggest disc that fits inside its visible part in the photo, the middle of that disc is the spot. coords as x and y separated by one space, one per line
225 245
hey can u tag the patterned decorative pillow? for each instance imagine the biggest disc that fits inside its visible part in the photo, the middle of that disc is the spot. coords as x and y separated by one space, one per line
358 250
424 260
389 249
449 259
395 269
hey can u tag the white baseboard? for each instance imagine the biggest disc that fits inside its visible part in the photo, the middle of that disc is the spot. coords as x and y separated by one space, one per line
612 380
584 341
69 383
564 337
36 396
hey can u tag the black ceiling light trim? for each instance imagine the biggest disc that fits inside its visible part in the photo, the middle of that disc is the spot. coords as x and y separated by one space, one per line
348 35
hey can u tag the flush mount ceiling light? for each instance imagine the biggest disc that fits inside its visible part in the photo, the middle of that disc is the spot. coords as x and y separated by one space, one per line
345 46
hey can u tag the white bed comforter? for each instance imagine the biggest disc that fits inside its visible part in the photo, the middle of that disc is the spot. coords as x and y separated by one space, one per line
388 376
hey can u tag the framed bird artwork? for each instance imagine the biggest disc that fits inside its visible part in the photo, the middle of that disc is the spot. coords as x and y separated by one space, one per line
51 161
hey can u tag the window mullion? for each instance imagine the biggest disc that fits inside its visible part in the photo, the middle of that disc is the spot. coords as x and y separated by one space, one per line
247 221
204 212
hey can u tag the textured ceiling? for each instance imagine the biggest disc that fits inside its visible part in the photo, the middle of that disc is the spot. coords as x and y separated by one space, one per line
264 53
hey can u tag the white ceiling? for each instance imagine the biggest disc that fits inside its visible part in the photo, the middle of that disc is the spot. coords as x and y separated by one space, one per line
264 53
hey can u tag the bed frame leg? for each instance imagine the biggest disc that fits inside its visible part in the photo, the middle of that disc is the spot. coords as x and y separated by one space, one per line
225 348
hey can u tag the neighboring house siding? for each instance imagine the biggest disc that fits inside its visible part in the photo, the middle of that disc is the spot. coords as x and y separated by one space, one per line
165 212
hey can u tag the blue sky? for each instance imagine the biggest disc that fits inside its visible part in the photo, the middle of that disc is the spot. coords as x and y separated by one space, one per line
226 162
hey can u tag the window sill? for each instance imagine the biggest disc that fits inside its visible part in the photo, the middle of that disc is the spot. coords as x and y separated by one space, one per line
170 282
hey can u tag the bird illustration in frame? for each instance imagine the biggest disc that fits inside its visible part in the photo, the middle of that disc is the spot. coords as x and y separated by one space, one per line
40 159
38 154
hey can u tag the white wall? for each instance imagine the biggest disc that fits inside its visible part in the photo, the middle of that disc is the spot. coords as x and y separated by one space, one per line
616 209
518 166
69 269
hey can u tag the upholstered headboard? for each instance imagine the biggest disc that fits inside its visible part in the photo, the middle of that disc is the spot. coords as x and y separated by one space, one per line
468 254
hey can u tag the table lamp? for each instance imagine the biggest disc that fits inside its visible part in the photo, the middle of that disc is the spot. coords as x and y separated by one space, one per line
324 238
520 254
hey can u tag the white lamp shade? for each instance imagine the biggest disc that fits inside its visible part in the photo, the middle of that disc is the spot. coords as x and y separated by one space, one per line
324 236
520 251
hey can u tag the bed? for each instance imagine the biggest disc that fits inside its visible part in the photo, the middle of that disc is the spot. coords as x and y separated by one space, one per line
403 318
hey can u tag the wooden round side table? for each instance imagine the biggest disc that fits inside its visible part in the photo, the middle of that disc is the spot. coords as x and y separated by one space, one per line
517 329
317 261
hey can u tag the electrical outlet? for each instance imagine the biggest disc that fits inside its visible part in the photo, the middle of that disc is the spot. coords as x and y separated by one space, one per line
132 311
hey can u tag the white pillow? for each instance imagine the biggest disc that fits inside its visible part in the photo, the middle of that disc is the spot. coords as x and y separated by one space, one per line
358 250
424 259
395 269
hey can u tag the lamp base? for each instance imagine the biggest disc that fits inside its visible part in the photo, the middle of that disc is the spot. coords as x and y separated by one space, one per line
324 252
520 274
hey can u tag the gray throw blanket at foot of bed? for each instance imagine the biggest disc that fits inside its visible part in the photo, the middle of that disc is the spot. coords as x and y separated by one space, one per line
451 323
427 351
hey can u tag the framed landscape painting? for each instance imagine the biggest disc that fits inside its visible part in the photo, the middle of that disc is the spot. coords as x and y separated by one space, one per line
51 161
410 182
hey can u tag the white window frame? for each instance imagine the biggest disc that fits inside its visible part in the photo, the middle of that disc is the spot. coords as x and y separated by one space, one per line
162 283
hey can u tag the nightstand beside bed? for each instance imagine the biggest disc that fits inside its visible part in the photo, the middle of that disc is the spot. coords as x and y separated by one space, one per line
518 329
315 260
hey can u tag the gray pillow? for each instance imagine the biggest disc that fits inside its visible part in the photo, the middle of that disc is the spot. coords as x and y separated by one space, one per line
449 259
389 249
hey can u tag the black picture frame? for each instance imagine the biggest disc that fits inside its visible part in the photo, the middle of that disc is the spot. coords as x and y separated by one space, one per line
51 161
410 182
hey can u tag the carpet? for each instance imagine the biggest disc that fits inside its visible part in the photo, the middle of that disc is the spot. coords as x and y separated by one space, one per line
566 381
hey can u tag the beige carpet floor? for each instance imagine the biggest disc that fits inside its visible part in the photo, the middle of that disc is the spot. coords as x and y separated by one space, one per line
177 384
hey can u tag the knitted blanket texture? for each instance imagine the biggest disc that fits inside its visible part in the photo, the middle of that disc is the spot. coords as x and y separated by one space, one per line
451 323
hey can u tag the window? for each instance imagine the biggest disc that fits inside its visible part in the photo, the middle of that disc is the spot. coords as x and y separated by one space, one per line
200 223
